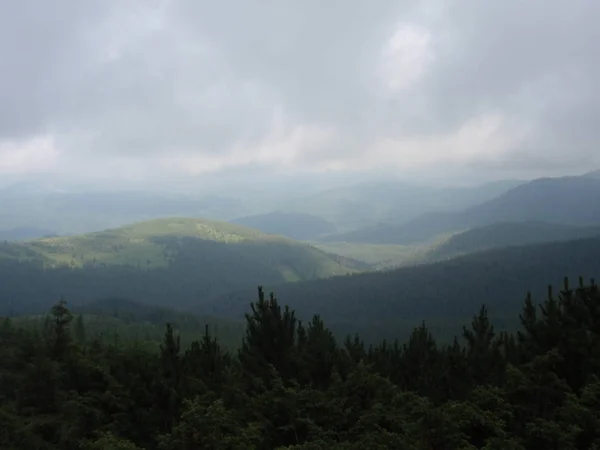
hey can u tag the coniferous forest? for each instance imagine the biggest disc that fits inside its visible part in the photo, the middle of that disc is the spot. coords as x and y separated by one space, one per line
291 385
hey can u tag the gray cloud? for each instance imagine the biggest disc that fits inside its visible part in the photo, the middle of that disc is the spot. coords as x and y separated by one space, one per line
136 87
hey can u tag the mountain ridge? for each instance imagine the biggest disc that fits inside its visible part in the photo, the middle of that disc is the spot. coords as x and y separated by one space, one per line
564 200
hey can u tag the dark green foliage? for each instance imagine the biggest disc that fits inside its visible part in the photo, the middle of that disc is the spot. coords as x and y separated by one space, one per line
508 234
446 293
291 386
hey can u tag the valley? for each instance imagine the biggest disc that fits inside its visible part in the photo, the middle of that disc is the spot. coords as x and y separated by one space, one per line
210 267
166 309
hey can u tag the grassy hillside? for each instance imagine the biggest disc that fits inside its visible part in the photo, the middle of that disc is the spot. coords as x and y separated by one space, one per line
568 201
445 294
380 256
293 225
164 262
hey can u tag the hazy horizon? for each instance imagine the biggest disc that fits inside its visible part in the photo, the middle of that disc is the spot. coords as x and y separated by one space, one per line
180 95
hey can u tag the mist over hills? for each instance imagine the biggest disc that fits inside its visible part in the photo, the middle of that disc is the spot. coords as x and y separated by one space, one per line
566 200
594 174
66 212
64 209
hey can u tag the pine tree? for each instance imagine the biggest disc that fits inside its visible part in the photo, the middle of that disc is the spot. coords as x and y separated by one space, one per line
270 338
484 358
171 372
80 330
61 319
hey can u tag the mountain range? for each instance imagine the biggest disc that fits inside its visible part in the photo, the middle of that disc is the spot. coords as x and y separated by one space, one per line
438 266
566 200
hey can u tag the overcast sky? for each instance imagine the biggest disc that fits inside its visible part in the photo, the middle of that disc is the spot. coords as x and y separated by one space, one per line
156 88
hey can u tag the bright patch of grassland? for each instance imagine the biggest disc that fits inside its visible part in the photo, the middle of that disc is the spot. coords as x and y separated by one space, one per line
380 256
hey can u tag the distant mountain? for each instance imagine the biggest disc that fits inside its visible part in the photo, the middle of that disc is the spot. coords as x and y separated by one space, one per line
365 204
508 234
66 212
594 174
24 233
444 294
567 200
168 262
69 210
293 225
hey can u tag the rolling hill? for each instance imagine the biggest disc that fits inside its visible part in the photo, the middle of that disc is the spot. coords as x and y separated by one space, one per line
445 294
297 226
567 200
169 262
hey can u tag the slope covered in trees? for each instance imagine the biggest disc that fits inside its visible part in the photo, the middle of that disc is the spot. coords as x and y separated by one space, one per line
507 234
443 293
120 321
566 200
294 386
174 262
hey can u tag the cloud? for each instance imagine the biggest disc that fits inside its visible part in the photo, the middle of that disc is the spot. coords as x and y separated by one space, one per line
38 154
135 88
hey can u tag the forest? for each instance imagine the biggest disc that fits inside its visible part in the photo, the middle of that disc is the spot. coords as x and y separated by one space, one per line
294 385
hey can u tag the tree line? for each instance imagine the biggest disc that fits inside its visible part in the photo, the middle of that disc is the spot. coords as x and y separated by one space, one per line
292 385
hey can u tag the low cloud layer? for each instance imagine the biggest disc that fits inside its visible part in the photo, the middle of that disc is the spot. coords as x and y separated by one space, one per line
140 88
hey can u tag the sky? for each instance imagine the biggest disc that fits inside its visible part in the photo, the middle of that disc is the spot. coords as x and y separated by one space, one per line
156 90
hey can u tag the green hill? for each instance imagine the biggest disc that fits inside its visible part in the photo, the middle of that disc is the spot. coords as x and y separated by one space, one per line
567 200
163 262
444 293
